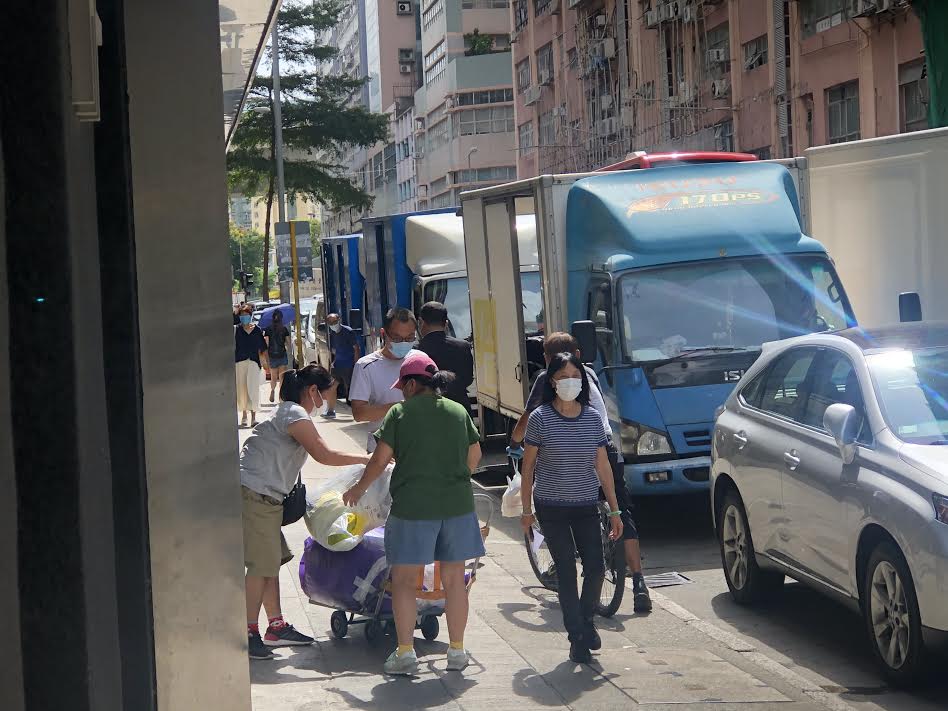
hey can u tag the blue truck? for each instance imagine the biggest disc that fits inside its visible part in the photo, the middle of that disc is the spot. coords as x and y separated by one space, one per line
671 277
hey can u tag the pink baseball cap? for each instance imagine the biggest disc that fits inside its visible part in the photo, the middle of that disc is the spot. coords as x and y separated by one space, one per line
415 363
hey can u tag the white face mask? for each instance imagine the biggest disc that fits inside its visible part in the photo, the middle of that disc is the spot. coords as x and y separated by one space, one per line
336 327
321 409
569 388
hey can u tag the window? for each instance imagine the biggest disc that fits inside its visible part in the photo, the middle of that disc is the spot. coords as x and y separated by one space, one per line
435 63
432 13
762 153
547 132
783 388
821 15
600 313
913 109
442 200
484 4
388 159
438 135
499 119
545 64
724 136
523 75
755 53
491 96
719 48
834 381
842 112
541 7
750 393
485 175
525 136
521 15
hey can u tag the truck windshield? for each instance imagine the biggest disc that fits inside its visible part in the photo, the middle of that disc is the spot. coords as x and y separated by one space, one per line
453 293
728 304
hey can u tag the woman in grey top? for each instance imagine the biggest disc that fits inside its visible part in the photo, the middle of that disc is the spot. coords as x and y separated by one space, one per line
270 462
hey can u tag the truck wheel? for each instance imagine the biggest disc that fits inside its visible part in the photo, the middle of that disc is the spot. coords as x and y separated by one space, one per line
890 610
747 582
339 624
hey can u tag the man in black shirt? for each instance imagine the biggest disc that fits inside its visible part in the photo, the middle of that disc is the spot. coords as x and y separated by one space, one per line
448 353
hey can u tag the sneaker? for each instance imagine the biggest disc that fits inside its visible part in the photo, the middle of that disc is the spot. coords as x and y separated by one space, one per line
579 653
330 415
404 665
458 659
256 648
591 637
286 636
641 601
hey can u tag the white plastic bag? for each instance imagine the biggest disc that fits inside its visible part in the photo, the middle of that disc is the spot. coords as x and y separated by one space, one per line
338 527
511 505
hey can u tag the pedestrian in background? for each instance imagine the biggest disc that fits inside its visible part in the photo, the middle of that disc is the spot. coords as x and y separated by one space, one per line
564 465
278 350
270 463
436 447
344 351
564 342
372 394
250 353
451 354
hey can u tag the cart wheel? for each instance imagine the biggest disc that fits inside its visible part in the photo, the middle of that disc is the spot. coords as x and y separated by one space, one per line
430 627
374 632
388 628
339 624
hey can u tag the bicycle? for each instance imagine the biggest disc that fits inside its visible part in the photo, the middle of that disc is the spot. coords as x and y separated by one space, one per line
613 585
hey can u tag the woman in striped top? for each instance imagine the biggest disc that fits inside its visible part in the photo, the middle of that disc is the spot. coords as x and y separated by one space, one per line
564 464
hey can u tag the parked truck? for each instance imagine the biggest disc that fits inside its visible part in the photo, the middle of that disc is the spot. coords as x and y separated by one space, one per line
671 277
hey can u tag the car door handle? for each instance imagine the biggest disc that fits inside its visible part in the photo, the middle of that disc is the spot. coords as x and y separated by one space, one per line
741 439
791 459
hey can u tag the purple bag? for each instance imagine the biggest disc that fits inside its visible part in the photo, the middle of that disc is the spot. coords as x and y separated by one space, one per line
346 580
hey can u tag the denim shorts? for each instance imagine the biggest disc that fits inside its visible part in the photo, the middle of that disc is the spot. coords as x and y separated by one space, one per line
421 542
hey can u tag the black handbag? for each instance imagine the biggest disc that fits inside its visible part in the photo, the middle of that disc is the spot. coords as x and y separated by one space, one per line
294 503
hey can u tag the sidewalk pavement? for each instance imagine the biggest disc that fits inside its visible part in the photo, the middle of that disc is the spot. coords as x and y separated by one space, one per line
519 648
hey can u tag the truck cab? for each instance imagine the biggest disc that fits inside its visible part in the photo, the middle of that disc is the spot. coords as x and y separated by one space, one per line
683 271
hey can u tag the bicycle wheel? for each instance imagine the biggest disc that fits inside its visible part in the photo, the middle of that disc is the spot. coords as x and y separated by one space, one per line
540 559
613 585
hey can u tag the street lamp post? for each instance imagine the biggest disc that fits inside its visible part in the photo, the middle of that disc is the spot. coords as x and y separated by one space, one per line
471 151
278 123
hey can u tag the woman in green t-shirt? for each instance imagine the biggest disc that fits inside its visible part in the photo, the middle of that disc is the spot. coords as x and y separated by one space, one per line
436 447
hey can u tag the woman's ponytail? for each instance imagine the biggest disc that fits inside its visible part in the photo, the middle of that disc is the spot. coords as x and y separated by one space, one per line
296 381
441 381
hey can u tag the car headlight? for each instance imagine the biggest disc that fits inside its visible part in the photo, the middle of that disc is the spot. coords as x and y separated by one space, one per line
941 507
639 441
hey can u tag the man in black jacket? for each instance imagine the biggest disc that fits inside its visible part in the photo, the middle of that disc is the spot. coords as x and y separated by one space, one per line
448 353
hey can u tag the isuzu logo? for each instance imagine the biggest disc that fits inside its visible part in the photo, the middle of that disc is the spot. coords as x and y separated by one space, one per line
732 376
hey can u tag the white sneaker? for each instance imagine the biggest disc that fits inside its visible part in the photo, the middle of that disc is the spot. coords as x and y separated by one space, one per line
458 659
406 664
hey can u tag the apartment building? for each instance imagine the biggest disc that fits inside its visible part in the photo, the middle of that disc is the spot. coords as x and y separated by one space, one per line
250 213
596 79
463 111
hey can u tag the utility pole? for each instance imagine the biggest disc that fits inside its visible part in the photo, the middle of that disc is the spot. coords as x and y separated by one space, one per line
278 123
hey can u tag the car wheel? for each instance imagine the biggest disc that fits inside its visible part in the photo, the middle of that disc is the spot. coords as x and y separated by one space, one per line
890 609
746 580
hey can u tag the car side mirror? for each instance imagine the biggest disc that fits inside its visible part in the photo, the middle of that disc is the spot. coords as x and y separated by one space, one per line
843 424
585 334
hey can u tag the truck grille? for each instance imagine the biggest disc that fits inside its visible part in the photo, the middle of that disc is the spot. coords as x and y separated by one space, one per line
698 438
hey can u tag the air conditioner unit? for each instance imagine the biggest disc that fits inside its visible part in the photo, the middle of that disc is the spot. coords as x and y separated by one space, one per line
601 20
544 78
689 13
403 7
406 56
673 10
720 88
559 111
607 127
419 151
628 117
652 19
405 68
717 56
609 47
686 92
605 102
531 95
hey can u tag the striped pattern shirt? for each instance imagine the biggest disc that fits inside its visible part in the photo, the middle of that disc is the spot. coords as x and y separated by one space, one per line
565 473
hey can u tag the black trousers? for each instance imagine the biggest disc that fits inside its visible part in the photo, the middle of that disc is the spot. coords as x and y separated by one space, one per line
568 530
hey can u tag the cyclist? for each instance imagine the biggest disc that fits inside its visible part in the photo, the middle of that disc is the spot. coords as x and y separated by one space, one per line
565 456
564 342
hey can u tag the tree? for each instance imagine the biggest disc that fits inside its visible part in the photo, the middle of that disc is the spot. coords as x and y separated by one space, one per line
315 237
478 43
934 19
320 121
246 252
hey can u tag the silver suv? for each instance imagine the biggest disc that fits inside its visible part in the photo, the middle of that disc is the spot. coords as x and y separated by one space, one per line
830 465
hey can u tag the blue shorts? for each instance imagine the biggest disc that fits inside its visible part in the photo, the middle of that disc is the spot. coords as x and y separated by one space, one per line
421 542
279 362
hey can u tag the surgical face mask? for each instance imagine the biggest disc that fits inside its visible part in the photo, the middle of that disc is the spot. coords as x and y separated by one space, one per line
244 319
336 327
321 409
400 350
569 388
